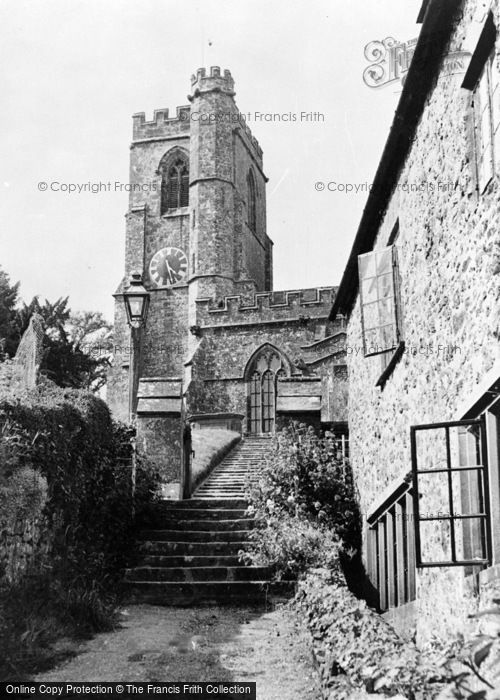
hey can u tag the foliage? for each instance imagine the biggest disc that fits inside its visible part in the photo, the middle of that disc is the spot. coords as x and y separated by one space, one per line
78 346
475 663
82 459
291 546
8 300
209 445
304 504
357 649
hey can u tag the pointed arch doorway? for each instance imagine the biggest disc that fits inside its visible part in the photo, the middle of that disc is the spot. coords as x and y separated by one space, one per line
265 368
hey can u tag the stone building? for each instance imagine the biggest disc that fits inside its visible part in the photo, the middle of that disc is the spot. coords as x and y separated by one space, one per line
219 346
421 293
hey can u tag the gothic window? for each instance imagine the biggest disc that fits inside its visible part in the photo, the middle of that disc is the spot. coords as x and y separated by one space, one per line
174 182
252 201
268 401
263 373
255 403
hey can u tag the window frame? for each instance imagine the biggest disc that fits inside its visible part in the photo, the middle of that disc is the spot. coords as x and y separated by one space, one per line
452 517
483 59
484 146
395 282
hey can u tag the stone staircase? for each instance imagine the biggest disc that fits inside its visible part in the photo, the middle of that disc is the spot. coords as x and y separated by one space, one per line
188 550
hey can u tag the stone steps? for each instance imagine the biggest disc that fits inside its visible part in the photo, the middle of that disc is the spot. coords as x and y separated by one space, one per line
199 536
186 560
190 551
208 592
209 525
220 547
199 573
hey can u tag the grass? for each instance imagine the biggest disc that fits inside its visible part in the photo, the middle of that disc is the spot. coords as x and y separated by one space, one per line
41 622
210 445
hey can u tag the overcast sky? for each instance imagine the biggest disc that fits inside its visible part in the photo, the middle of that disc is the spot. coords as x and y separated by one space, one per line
73 73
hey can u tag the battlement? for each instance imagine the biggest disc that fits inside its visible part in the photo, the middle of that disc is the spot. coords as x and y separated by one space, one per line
246 129
161 124
299 304
201 82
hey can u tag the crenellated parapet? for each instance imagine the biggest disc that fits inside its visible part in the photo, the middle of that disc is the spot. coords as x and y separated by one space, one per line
162 125
266 307
213 81
247 134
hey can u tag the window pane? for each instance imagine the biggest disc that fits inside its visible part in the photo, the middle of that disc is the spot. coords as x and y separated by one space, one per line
385 286
468 492
386 311
470 539
384 261
434 499
369 290
431 448
387 337
435 541
372 344
366 265
371 315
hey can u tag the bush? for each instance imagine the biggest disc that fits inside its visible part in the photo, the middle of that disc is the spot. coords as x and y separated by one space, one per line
65 461
291 546
357 650
304 504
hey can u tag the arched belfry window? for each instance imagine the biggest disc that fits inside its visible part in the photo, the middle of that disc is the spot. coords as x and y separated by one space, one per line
174 169
263 372
252 201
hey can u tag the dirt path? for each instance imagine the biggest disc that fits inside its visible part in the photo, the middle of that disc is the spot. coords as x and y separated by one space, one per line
201 644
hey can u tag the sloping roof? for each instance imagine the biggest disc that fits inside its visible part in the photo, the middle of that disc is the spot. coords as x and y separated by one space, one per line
438 18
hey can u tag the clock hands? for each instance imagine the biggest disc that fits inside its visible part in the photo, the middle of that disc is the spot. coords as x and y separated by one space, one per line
170 272
168 266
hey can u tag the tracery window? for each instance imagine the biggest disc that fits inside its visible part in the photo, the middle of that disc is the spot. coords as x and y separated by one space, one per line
174 170
264 372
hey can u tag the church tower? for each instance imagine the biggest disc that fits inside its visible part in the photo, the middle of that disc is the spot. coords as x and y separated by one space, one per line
195 229
231 251
218 347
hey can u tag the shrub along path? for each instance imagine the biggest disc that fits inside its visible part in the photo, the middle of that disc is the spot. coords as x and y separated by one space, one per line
201 644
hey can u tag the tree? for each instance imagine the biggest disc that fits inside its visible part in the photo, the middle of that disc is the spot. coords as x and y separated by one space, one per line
91 335
8 300
78 346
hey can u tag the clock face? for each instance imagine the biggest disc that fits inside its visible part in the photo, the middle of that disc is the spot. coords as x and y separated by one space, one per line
168 266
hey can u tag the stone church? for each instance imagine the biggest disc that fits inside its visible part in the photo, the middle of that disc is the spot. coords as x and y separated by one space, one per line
219 346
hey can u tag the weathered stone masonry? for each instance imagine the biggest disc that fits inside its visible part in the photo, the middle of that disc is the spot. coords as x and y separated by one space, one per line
208 330
449 268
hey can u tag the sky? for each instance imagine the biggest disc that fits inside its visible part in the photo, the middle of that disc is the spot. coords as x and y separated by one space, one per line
73 73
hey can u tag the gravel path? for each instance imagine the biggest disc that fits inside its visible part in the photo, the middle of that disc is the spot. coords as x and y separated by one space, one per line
201 644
